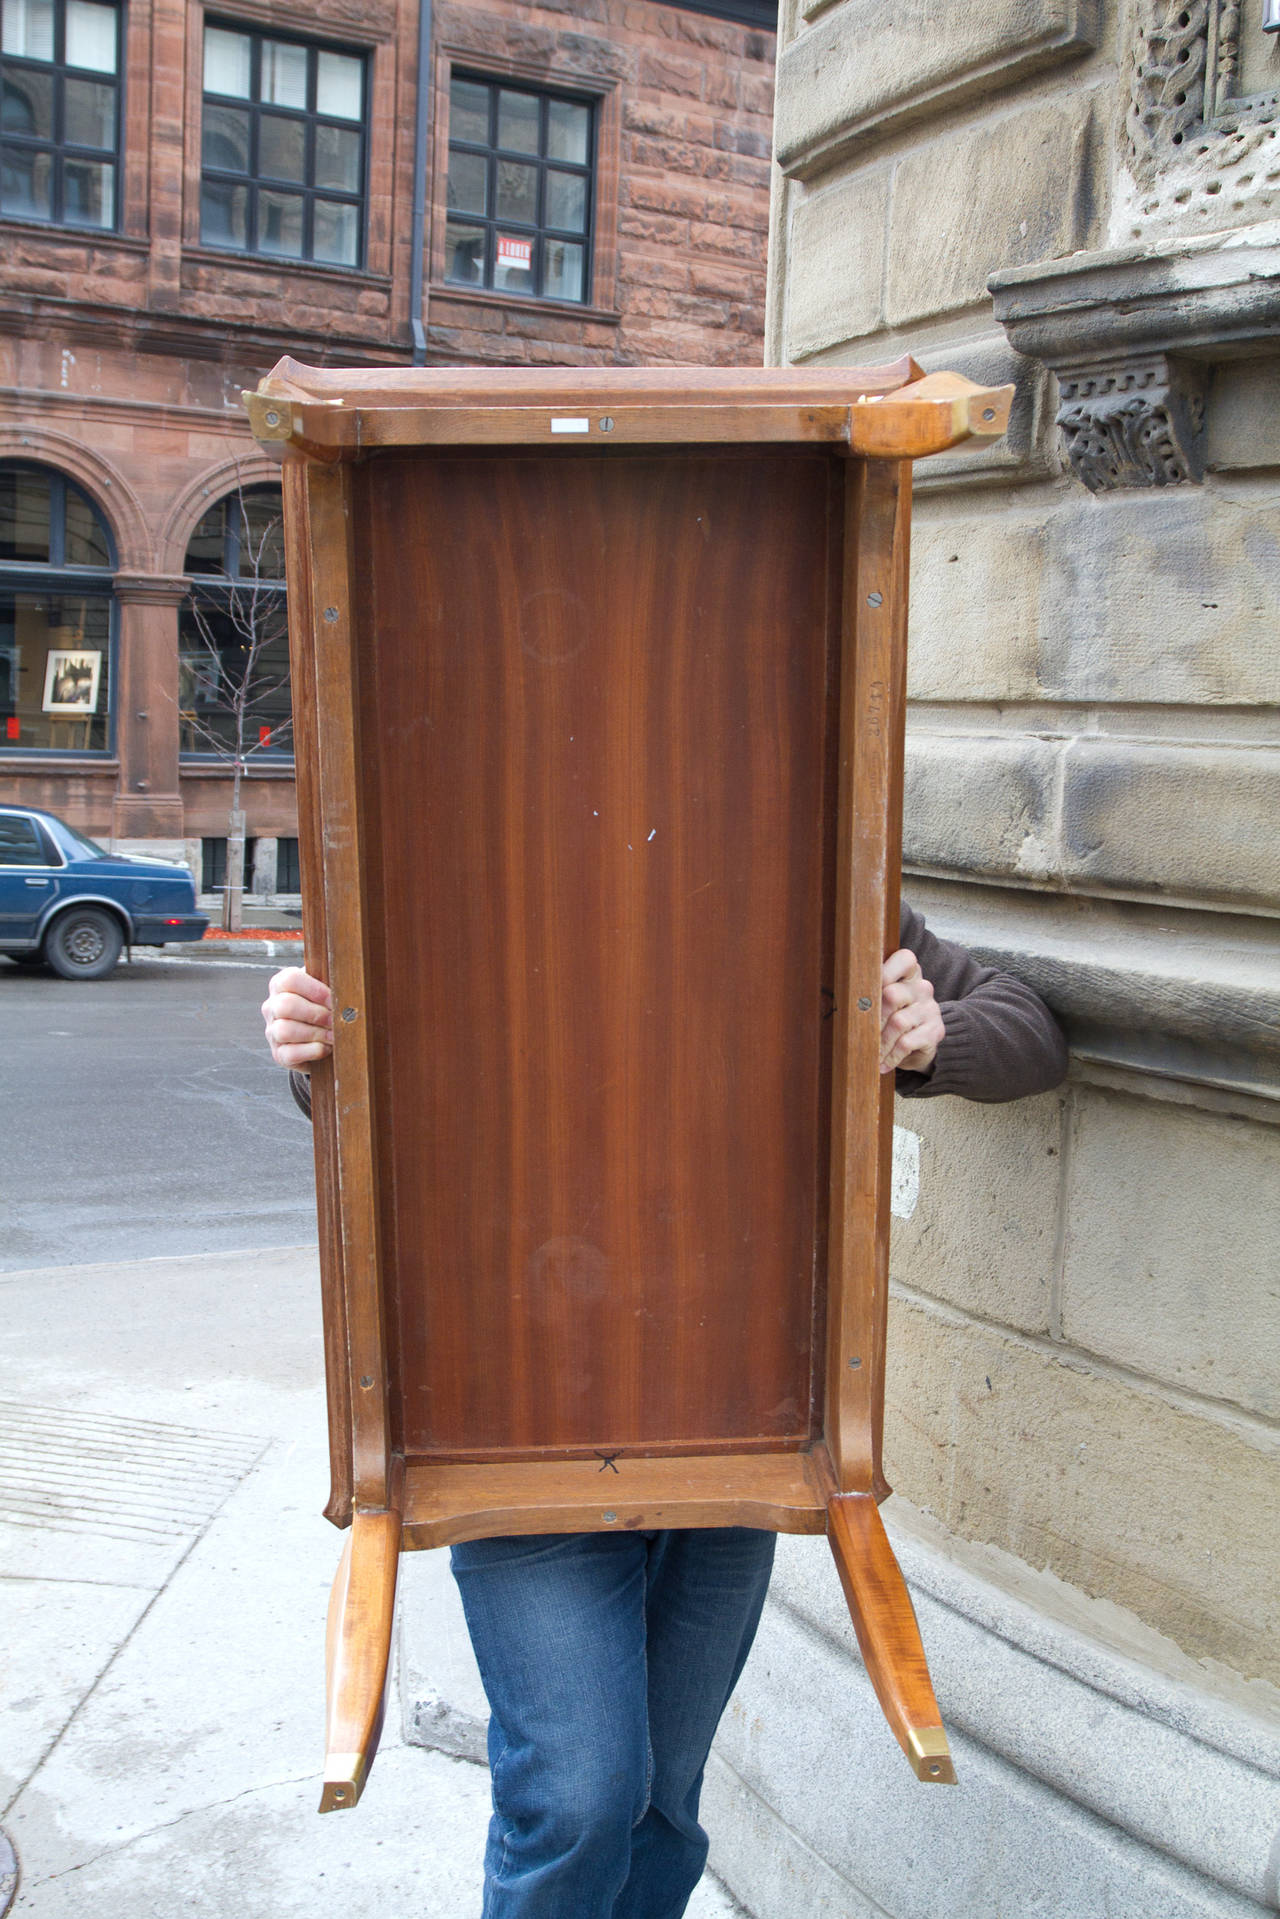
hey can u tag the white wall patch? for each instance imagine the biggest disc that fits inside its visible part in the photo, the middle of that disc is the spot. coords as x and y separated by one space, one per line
904 1186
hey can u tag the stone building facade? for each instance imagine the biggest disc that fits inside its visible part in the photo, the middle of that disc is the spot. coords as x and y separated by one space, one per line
1084 1411
190 191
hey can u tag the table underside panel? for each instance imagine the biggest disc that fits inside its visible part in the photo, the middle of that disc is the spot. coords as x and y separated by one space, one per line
601 806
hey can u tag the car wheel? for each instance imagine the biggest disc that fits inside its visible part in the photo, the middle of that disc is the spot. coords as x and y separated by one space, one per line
84 943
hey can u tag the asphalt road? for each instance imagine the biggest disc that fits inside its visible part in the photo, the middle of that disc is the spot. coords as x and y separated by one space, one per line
142 1116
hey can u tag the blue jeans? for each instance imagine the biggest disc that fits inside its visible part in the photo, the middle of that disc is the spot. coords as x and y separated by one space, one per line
607 1659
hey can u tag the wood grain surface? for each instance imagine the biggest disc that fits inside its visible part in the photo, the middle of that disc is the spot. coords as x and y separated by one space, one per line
888 1634
603 695
783 1492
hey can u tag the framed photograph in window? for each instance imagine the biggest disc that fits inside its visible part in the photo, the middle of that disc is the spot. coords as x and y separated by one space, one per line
71 679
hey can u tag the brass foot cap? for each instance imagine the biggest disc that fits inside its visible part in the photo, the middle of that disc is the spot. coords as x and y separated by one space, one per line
930 1756
344 1777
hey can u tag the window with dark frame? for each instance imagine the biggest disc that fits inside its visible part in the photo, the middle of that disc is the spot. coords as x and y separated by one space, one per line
283 146
233 631
57 615
521 189
60 112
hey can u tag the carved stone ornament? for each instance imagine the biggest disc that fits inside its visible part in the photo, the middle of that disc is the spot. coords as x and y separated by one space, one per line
1200 135
1134 423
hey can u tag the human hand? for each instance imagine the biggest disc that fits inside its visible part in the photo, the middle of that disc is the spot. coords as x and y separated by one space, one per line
298 1016
911 1028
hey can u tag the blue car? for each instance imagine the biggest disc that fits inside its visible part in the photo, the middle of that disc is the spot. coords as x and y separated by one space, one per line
67 904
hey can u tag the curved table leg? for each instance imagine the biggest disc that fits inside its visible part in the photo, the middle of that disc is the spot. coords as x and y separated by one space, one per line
357 1654
885 1622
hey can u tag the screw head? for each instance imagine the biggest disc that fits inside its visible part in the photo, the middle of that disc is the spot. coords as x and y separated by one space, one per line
331 614
367 1381
610 1517
273 419
348 1014
606 425
864 1005
875 599
988 413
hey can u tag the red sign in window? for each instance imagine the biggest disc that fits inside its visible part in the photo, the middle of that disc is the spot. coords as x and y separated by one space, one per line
264 734
515 253
13 728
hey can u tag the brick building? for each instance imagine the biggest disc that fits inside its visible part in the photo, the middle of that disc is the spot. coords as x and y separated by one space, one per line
190 191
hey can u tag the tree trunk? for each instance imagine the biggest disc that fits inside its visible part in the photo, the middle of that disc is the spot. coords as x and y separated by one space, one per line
233 896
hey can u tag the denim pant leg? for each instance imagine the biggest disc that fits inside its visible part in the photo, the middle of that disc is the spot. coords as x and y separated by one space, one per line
706 1590
557 1623
607 1659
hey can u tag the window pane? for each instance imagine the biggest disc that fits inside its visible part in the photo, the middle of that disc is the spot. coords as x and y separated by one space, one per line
468 183
469 112
24 514
226 62
28 104
212 662
284 74
57 647
28 28
206 549
562 264
282 147
517 192
567 201
337 233
86 537
513 262
224 214
25 183
280 223
568 130
91 36
90 111
339 88
518 121
260 514
225 138
464 255
338 158
88 193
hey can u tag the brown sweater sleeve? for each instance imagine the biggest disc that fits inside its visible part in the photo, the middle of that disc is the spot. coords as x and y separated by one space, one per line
1002 1041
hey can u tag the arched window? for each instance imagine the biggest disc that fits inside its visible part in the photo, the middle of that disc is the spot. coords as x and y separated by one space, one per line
57 621
233 633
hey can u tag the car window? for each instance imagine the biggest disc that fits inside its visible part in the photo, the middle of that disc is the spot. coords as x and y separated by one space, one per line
20 842
82 846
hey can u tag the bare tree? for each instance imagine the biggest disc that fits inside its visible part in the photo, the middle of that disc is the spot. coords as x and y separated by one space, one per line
237 623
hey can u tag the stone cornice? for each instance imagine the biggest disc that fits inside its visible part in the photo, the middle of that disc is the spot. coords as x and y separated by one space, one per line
1130 334
844 82
1203 298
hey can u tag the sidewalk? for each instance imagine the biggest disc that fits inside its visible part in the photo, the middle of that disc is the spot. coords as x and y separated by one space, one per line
164 1580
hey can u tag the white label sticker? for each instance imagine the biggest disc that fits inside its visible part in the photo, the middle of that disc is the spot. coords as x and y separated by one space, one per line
571 426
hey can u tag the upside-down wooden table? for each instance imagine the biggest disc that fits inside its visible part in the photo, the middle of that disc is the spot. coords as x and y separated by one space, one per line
598 683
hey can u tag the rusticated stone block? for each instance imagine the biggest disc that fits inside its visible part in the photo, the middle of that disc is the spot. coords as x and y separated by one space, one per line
982 1234
1190 821
1104 1482
1017 189
865 69
835 282
1172 1230
1160 599
980 805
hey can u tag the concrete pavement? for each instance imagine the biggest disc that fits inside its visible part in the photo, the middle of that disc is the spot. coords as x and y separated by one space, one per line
164 1574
